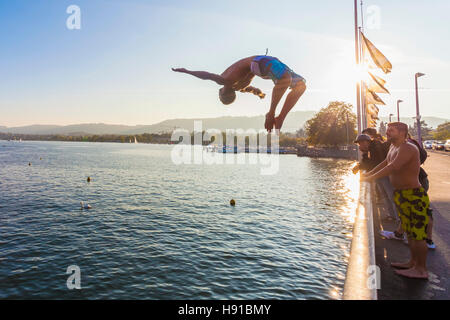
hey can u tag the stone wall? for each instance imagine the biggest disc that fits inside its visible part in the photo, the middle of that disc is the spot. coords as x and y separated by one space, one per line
350 153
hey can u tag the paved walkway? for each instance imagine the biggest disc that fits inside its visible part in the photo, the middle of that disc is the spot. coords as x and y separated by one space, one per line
386 251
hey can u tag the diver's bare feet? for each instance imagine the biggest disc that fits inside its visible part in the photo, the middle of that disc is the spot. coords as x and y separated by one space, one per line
402 265
270 121
413 273
278 123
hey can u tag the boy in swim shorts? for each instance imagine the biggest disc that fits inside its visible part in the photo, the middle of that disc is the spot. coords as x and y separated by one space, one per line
239 75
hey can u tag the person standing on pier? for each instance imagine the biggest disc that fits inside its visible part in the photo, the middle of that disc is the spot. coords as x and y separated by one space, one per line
373 153
423 179
402 165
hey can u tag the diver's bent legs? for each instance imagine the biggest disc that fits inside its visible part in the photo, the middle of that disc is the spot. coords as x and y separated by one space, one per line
290 102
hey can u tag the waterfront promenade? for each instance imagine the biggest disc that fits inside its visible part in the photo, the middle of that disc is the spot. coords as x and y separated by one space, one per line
386 251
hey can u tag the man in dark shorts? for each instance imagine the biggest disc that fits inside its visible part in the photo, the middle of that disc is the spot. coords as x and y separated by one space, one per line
238 76
413 205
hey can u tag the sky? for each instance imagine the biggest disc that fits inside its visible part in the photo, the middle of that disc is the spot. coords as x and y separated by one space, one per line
116 68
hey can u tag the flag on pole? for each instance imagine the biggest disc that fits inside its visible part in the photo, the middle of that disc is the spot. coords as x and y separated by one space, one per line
373 98
377 57
376 84
372 115
373 109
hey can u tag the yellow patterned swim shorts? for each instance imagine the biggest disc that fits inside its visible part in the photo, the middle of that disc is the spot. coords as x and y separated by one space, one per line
413 206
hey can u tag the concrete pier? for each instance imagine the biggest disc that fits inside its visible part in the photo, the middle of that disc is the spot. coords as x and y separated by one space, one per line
349 152
362 277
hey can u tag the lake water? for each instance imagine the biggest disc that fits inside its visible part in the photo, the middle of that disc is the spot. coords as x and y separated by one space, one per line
158 230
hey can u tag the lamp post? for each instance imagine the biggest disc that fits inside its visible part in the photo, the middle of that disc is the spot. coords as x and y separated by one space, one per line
390 117
398 110
419 132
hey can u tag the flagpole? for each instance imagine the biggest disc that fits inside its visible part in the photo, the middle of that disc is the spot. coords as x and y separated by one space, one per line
362 16
358 91
363 87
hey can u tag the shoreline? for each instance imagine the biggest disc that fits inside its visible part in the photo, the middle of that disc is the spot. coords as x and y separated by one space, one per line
343 152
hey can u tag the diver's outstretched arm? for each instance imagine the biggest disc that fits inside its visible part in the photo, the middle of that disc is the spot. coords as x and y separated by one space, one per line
202 75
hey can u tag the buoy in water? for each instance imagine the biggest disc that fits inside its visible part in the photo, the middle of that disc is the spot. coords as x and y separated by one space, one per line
85 205
88 179
232 202
29 163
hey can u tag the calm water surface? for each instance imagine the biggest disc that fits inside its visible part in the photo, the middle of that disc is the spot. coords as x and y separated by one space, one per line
161 231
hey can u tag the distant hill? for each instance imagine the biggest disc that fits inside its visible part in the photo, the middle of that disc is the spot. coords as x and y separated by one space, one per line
76 129
293 122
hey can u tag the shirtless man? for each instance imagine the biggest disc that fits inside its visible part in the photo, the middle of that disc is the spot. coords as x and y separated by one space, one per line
413 205
238 76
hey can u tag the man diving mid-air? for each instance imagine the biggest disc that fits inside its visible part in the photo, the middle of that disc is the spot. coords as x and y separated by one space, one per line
238 76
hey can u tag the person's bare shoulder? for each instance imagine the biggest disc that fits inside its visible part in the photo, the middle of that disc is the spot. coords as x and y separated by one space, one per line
409 148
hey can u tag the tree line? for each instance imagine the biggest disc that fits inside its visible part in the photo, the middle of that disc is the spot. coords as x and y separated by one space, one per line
285 139
442 132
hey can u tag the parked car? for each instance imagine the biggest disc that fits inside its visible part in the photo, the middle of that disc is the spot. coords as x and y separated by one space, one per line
428 144
447 145
439 145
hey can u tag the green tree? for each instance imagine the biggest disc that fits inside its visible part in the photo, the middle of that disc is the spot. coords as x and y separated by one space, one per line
424 130
332 126
286 141
442 131
300 133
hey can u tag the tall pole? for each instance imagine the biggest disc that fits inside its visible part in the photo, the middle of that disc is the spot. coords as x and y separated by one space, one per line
347 128
362 17
398 110
363 106
361 61
358 91
419 131
363 87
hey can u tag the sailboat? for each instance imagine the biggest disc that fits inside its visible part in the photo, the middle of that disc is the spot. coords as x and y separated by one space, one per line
135 140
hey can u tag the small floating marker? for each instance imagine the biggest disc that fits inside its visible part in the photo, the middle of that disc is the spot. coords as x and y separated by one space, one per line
86 206
40 158
29 163
88 179
232 202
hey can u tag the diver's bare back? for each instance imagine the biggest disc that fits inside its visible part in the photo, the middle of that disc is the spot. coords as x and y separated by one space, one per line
406 177
238 75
